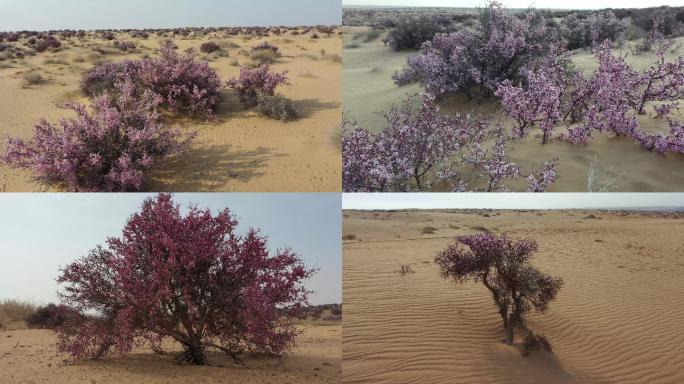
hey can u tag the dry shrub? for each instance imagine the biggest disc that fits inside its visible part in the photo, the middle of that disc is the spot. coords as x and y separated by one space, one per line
13 314
264 56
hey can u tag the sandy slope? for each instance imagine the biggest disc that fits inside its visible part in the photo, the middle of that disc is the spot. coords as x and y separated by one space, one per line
369 89
618 319
240 151
29 356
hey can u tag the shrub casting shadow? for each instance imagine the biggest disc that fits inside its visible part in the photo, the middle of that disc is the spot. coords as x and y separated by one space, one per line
308 107
211 167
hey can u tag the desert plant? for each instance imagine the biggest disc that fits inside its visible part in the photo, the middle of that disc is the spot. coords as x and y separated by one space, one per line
264 56
124 45
419 148
253 82
481 57
104 76
47 317
580 30
410 32
184 84
503 266
265 46
33 78
209 47
185 277
275 107
106 150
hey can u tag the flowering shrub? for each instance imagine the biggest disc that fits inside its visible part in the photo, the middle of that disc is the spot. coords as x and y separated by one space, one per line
420 149
102 78
608 101
256 81
504 268
538 102
480 57
184 84
106 150
187 277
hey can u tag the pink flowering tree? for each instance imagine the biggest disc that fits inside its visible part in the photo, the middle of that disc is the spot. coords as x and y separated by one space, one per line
106 150
537 102
480 57
421 148
185 277
254 82
504 267
609 101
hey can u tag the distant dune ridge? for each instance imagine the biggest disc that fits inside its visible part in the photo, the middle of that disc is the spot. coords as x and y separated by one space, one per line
616 320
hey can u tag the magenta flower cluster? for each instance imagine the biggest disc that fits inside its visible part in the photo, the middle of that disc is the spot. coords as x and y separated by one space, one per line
610 100
187 277
107 149
418 150
184 84
480 57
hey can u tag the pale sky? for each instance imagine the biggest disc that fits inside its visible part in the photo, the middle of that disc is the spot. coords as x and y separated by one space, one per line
369 201
39 233
553 4
41 15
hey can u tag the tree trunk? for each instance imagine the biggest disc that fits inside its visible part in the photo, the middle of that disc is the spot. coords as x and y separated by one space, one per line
509 332
193 354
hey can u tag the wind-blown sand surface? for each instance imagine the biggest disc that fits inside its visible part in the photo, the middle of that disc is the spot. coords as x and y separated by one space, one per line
618 319
29 356
240 151
368 89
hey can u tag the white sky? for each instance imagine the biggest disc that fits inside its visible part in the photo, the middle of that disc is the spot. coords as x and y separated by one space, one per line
554 4
366 201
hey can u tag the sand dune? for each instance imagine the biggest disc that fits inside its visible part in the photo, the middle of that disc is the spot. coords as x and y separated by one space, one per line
29 356
240 151
618 319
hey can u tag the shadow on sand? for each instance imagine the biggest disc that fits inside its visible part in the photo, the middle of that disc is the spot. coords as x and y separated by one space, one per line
210 168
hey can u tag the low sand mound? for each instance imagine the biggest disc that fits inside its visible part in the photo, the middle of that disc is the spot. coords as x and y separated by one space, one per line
29 356
618 319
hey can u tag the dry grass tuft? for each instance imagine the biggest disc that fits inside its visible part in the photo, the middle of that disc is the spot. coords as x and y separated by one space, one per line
13 314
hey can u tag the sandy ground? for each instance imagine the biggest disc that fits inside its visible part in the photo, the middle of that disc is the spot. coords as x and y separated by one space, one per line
240 151
369 89
29 356
618 319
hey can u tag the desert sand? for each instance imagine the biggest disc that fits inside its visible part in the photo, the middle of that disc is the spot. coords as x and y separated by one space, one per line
368 89
239 151
618 319
29 356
